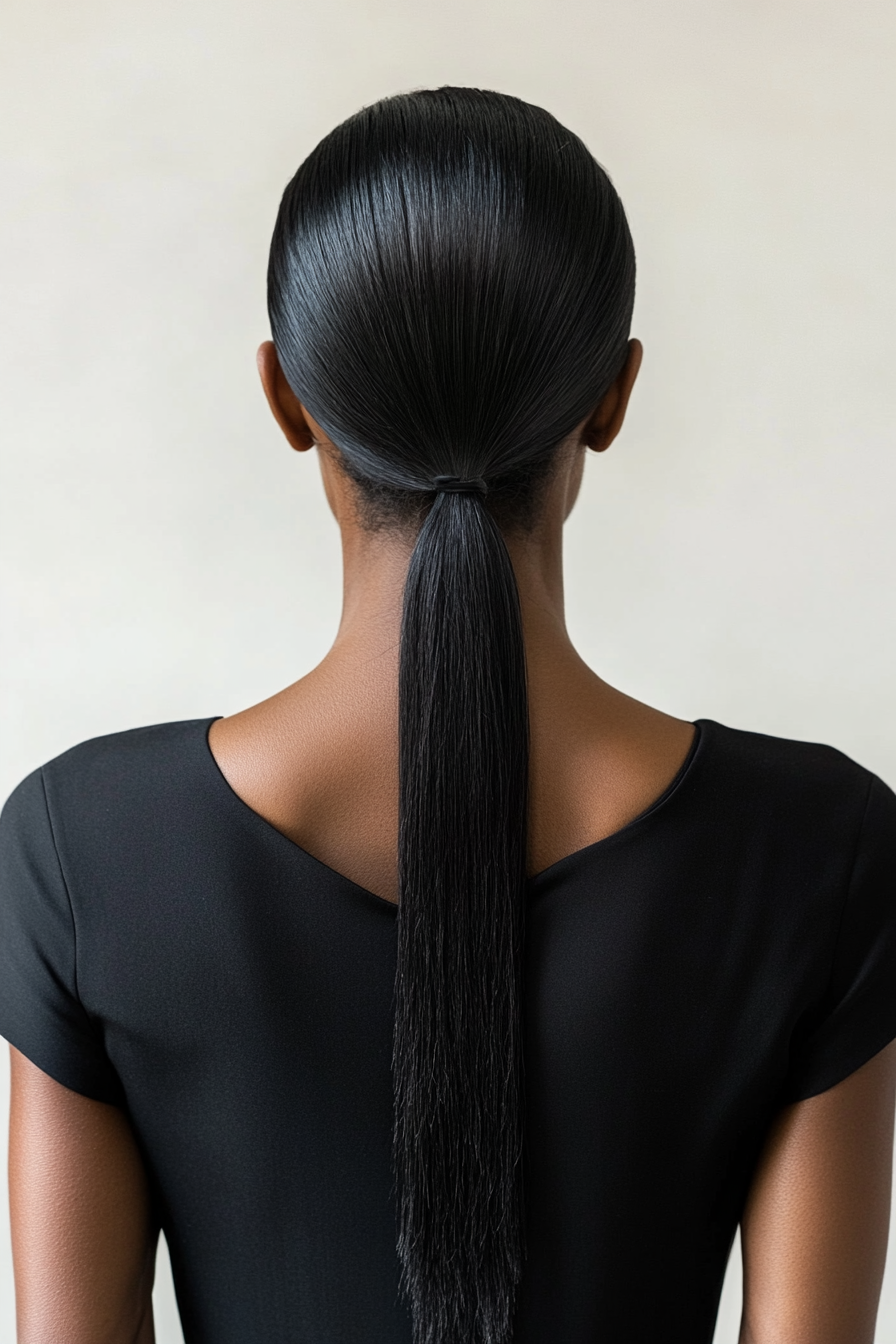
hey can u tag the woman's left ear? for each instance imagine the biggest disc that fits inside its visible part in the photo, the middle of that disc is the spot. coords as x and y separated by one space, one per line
287 410
605 422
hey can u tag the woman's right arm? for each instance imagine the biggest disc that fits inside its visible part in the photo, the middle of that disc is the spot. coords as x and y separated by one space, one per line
83 1236
814 1232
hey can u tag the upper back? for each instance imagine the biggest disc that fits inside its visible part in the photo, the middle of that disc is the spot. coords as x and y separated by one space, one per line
320 763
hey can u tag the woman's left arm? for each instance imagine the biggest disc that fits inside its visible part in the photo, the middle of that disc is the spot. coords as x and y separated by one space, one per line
814 1231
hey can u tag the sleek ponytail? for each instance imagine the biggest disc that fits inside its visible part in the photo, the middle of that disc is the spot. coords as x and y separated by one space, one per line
457 1063
450 288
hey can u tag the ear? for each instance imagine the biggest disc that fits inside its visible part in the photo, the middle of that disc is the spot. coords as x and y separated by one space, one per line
288 411
605 422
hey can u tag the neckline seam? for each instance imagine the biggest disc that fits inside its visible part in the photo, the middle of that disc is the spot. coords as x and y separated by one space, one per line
624 833
621 835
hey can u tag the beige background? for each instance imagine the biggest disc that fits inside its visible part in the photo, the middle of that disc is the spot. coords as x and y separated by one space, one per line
165 555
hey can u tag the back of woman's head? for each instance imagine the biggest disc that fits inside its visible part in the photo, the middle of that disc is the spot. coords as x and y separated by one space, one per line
450 288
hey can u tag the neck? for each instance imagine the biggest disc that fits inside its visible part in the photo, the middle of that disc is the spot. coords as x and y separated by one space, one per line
374 570
325 747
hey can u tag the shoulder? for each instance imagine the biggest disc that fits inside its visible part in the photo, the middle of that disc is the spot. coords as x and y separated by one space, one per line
805 797
117 756
786 771
117 776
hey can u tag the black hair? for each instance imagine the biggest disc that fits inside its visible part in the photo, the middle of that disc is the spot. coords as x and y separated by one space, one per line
450 289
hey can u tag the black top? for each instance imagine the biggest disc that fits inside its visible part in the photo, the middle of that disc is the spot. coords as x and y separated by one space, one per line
163 948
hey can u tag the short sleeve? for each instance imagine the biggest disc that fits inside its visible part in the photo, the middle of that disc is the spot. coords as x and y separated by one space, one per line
40 1012
857 1017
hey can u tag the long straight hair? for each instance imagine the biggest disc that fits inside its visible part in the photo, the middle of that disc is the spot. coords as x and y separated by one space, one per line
450 289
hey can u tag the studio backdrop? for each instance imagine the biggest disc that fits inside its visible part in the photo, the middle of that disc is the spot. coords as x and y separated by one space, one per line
165 555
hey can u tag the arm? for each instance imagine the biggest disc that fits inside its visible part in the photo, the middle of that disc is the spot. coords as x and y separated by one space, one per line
82 1231
814 1231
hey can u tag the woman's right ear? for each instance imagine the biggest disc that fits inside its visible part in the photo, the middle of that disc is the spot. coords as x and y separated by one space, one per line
287 410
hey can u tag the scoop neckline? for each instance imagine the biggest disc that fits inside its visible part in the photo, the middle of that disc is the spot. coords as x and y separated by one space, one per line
684 773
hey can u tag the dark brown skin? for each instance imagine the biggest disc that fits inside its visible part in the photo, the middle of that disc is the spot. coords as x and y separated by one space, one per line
324 751
83 1239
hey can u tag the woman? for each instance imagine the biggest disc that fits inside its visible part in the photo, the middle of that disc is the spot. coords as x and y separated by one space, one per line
450 994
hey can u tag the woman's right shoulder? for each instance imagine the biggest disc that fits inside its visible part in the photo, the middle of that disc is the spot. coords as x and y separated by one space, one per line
794 777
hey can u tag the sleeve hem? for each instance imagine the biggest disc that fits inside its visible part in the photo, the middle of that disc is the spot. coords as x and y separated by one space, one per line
86 1082
849 1063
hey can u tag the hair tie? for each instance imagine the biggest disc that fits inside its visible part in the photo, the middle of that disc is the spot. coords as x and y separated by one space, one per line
456 485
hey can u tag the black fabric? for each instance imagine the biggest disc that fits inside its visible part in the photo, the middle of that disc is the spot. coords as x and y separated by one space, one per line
163 948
